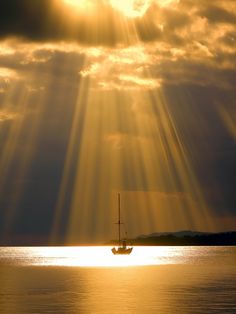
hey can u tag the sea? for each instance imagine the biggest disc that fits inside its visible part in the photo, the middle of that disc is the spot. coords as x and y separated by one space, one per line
90 279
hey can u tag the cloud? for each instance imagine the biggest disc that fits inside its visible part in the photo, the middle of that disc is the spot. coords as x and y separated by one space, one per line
183 52
120 23
7 74
33 66
164 44
216 14
52 20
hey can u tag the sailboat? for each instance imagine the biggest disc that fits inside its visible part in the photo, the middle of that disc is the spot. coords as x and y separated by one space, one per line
122 248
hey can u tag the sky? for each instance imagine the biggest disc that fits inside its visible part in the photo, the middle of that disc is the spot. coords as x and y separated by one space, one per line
100 97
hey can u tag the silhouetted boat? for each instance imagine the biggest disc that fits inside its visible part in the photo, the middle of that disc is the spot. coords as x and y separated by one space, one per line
122 248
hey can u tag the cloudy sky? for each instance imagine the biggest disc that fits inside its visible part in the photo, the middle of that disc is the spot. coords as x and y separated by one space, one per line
105 96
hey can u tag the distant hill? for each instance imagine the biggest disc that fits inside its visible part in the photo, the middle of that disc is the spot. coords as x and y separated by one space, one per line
177 234
187 238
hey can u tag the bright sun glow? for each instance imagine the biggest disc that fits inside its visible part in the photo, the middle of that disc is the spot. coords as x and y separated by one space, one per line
81 5
129 8
137 8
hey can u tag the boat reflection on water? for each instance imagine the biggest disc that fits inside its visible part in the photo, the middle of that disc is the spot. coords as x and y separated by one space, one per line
122 248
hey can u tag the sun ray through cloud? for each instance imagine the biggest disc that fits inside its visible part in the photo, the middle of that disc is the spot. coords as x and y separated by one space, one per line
112 97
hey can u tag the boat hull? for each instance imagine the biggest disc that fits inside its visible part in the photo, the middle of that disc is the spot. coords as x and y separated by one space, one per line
121 250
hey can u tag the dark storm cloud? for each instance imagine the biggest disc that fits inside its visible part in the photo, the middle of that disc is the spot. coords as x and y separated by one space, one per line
229 39
24 18
176 19
215 14
44 20
51 20
199 74
147 29
161 24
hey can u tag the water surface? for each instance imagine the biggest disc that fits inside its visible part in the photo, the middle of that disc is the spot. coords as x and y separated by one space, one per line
93 280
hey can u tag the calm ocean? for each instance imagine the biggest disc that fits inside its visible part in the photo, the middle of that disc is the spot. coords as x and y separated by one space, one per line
92 280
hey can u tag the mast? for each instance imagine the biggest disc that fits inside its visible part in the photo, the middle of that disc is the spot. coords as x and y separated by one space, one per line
119 223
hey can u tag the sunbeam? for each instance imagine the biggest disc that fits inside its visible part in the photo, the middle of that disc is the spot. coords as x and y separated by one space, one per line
117 156
109 97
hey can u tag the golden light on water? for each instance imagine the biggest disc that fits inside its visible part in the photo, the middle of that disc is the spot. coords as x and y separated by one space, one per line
98 256
169 280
